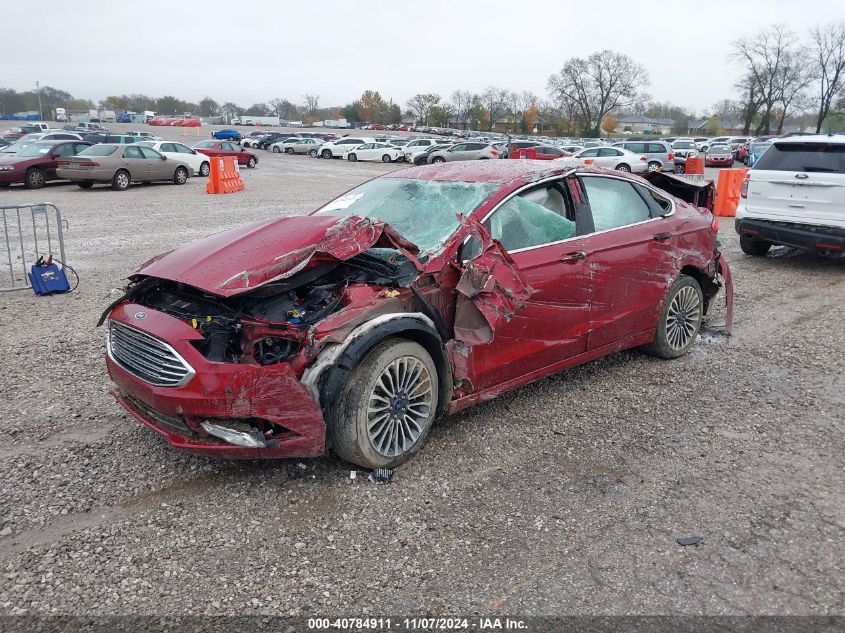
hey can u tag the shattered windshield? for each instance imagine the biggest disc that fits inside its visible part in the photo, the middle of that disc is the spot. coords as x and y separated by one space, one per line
423 211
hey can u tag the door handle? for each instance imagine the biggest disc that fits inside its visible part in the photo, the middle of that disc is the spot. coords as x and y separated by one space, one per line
571 258
661 237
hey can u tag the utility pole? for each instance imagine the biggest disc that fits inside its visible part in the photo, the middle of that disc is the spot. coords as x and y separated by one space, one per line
40 111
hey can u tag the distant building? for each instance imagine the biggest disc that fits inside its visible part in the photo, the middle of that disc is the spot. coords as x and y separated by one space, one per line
639 124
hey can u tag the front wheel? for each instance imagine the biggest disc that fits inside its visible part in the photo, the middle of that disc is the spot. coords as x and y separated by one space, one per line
35 178
205 168
351 158
438 159
327 153
180 176
85 185
754 247
679 321
623 167
312 153
251 162
680 168
276 149
387 406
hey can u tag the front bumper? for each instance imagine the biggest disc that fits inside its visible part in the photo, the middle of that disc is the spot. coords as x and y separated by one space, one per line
229 392
824 240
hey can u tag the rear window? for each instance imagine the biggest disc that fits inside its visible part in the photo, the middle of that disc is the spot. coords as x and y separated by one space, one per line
98 150
812 157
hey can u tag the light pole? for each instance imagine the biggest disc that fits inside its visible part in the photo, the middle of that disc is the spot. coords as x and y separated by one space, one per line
40 111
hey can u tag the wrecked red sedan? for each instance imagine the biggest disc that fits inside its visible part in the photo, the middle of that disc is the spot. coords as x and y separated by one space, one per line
410 297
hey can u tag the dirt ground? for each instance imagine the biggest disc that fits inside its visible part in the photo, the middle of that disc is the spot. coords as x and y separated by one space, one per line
564 497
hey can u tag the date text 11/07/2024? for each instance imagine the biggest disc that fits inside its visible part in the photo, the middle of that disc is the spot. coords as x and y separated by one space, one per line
417 624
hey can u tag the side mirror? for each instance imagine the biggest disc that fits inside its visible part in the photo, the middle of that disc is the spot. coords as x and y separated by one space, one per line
469 249
164 158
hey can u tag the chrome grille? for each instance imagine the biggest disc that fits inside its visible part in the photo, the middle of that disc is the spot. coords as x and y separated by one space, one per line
146 357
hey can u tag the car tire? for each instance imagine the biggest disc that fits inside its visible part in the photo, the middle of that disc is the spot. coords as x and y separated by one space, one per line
180 176
623 167
327 153
438 159
312 153
252 162
121 180
351 157
205 168
85 185
386 158
35 178
680 319
754 247
354 427
654 166
288 150
680 168
276 149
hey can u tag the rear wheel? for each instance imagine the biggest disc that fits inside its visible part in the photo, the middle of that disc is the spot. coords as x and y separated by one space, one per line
204 169
754 247
623 167
680 168
387 406
121 181
180 176
35 178
386 158
654 166
276 149
251 162
679 320
288 150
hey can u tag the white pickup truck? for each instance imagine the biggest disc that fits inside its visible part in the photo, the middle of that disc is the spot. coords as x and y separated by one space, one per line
795 196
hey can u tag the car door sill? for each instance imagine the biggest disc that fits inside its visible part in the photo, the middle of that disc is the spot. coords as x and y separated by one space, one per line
488 393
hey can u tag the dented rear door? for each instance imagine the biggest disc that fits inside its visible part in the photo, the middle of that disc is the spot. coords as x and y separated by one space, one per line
631 259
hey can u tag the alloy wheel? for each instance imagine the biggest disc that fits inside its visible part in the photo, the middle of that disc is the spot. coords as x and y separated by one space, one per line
683 318
399 406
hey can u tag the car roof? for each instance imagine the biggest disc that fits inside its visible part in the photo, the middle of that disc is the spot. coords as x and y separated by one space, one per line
812 138
494 171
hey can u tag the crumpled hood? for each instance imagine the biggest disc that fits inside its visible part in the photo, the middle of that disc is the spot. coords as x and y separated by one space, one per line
241 259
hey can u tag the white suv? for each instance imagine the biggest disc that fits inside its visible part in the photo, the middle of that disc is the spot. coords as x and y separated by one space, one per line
418 146
338 147
795 196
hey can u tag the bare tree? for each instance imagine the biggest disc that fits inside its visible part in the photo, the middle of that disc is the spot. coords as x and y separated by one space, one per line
751 98
764 56
599 84
461 101
495 102
312 102
828 47
793 79
421 104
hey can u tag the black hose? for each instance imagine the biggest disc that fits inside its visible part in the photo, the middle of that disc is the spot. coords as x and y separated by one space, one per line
70 268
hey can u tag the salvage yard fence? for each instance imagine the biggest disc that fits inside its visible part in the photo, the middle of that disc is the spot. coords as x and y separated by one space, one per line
29 232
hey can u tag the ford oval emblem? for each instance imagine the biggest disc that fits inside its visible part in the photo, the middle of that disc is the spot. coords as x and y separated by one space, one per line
140 315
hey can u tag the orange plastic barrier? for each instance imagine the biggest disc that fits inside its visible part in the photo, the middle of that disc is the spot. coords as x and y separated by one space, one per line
728 190
694 165
224 175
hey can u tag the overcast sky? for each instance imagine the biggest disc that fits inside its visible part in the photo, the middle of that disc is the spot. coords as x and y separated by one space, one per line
258 50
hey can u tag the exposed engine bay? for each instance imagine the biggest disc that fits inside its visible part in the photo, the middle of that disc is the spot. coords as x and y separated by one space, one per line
286 307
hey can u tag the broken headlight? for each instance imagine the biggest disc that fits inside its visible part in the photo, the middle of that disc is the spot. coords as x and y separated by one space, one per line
274 349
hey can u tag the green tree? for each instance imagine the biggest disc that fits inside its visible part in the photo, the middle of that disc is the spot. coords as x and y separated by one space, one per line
208 107
350 112
714 125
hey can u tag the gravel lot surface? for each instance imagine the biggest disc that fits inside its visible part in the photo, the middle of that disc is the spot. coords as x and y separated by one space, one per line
564 497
